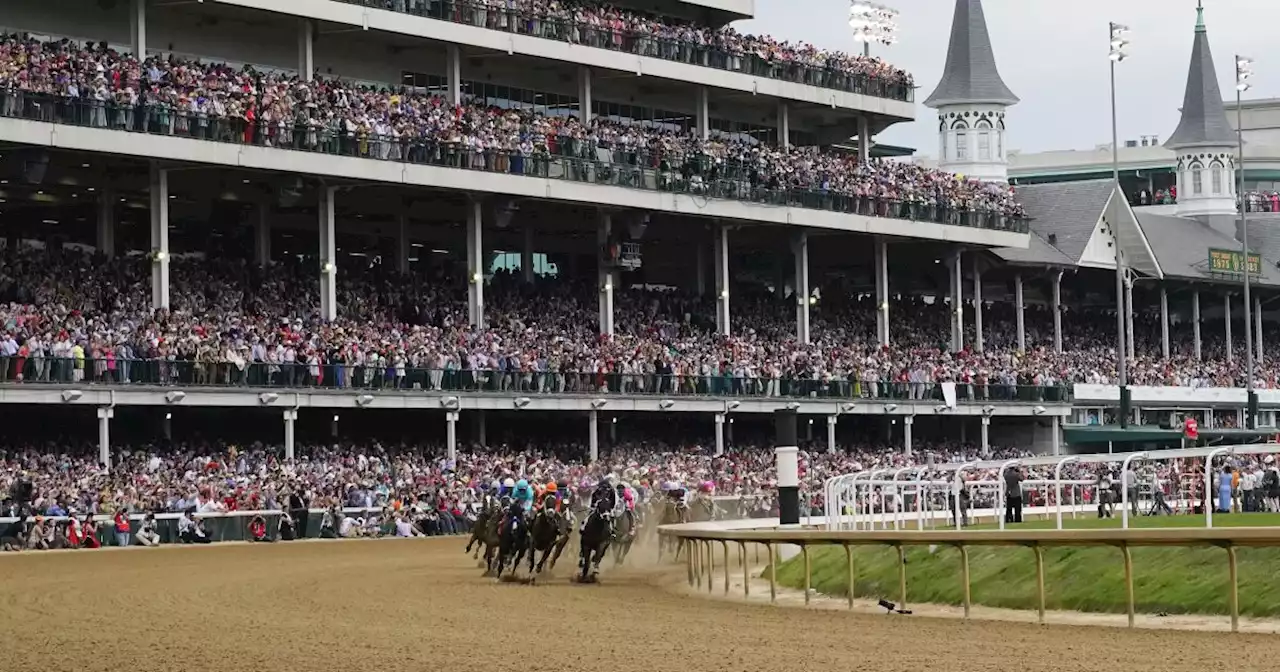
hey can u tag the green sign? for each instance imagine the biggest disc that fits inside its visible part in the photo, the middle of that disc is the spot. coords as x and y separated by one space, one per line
1232 261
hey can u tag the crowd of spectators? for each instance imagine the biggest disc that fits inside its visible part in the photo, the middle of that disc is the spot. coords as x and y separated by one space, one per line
1261 201
606 26
101 87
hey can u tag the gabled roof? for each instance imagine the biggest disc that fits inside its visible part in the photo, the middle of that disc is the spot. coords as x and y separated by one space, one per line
1182 245
1204 121
970 75
1074 223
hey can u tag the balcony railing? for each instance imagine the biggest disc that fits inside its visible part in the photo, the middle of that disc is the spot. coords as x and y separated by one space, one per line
643 44
569 159
179 372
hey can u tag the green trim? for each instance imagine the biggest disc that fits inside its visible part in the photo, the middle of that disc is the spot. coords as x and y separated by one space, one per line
1053 178
1147 434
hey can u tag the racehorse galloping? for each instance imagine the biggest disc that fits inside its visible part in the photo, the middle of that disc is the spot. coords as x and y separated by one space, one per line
548 534
491 539
513 539
626 529
594 542
702 510
674 512
481 527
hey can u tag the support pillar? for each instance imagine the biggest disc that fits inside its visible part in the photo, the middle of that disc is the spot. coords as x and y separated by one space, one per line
957 302
159 193
831 433
482 429
262 235
451 435
1226 325
800 247
700 270
784 125
526 255
605 273
1128 307
1057 435
1020 312
328 255
290 420
720 421
1057 312
306 50
106 224
882 291
403 248
453 73
721 258
787 456
104 435
907 421
1257 320
138 28
593 436
977 305
864 139
586 102
475 263
1195 323
986 436
703 113
1164 322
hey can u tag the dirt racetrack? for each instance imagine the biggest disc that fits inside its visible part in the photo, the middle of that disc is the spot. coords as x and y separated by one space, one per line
410 605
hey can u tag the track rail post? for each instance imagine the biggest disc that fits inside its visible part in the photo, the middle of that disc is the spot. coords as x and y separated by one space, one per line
711 565
724 546
853 577
902 577
773 575
746 571
688 561
808 573
964 577
1235 588
1040 581
1128 580
695 552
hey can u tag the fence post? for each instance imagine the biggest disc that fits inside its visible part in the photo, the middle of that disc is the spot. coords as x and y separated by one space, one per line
1040 579
773 575
853 579
711 565
746 573
695 552
724 546
964 575
1128 580
688 561
808 573
902 577
1235 589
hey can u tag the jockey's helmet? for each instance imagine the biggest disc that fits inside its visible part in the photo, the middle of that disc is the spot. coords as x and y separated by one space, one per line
551 487
509 483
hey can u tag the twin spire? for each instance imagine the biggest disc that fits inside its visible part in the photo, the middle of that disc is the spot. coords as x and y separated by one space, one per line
1204 120
971 76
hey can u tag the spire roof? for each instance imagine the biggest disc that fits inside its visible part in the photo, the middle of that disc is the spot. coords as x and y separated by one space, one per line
1204 121
971 75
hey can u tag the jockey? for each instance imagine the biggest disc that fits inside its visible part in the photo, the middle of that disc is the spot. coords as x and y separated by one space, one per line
550 490
603 497
507 486
524 494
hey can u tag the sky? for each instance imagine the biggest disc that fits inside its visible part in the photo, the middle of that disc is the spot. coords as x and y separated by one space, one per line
1053 55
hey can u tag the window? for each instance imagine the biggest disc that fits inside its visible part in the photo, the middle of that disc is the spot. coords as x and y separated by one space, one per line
945 148
1216 177
1000 145
962 146
1197 181
984 146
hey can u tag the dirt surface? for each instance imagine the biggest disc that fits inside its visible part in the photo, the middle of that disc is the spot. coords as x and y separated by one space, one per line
422 605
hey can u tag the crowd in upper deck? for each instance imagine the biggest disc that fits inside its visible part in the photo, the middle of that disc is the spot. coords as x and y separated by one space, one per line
98 86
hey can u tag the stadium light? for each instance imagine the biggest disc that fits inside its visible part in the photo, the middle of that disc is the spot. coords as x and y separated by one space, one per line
872 22
1119 40
1244 70
1118 35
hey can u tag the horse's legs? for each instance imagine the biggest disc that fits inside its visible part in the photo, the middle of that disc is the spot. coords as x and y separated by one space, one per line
559 548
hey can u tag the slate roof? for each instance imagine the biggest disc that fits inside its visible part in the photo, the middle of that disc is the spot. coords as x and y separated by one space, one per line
1181 244
1068 211
970 75
1204 120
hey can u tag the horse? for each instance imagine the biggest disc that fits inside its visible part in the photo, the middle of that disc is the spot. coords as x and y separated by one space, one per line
674 512
480 527
513 539
491 538
703 509
549 534
625 531
594 542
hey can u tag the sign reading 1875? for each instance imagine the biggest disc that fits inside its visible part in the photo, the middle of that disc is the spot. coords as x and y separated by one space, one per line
1232 261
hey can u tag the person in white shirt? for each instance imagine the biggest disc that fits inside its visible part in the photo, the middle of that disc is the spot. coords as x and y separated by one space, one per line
147 535
404 528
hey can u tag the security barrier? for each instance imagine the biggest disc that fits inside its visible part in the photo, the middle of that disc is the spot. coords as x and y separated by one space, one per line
697 540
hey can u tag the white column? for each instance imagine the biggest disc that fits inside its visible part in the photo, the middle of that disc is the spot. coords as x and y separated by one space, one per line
585 98
138 28
721 258
864 139
604 273
593 436
986 436
831 433
1226 324
306 50
1057 312
1164 322
977 305
526 255
1020 312
403 248
262 235
453 73
784 124
882 291
957 302
290 418
1057 435
104 435
907 421
1195 323
475 263
106 224
1128 306
800 247
159 237
1257 320
328 255
451 435
703 113
720 420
